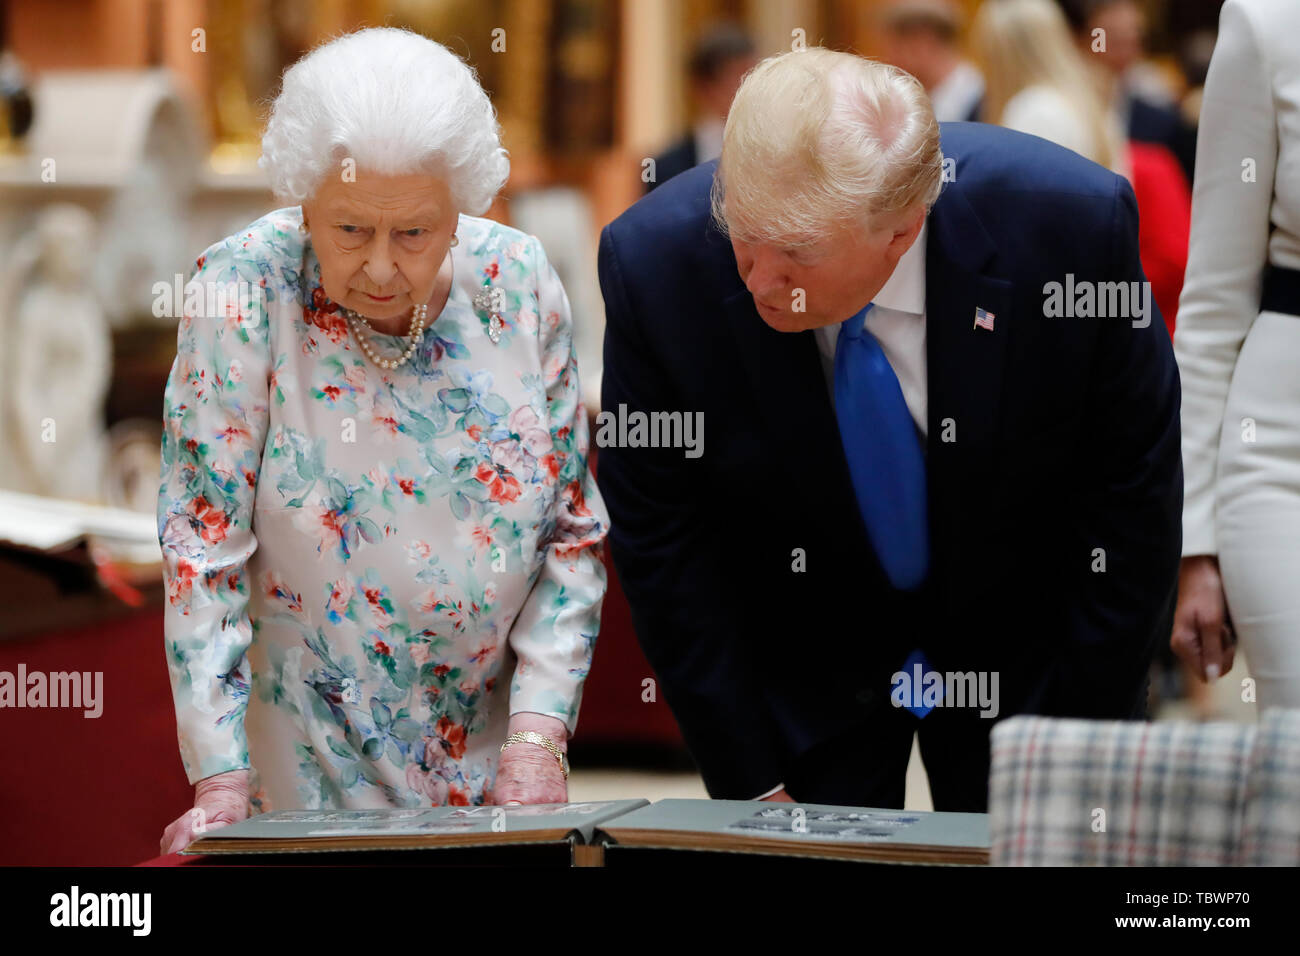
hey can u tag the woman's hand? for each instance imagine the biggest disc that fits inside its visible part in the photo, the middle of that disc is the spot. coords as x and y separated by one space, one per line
779 797
218 800
1202 634
529 773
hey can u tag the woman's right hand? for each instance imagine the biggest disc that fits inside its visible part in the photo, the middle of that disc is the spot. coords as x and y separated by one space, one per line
1202 634
218 800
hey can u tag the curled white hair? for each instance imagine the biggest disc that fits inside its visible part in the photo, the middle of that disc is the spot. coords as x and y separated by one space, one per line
395 103
818 139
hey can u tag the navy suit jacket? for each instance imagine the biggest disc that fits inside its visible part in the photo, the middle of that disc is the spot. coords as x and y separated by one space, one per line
1053 464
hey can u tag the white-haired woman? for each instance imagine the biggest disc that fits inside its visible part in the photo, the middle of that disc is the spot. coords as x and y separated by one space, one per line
382 544
1037 82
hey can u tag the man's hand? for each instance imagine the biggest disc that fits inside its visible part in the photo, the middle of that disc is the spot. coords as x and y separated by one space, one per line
779 797
219 800
529 773
1202 634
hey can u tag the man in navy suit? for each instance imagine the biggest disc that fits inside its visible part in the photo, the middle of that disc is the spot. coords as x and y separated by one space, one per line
786 589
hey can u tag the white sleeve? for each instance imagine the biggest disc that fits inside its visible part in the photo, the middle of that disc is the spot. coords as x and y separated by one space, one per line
216 411
1227 254
555 633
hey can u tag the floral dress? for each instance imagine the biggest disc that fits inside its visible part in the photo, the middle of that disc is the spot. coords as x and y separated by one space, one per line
369 570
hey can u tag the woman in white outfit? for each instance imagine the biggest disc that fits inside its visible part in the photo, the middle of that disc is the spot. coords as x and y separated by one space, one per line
1238 348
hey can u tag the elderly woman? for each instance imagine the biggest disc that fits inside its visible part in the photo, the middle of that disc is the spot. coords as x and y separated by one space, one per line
382 544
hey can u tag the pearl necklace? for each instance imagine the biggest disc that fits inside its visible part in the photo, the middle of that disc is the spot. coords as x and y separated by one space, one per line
418 316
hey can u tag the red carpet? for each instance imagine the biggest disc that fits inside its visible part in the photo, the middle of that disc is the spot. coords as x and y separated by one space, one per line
92 791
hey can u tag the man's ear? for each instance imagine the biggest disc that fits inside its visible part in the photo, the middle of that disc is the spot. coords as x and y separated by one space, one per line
906 231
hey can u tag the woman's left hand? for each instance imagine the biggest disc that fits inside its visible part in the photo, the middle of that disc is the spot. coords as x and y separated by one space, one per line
529 773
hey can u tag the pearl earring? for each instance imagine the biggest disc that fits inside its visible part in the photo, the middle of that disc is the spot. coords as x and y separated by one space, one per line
454 241
303 230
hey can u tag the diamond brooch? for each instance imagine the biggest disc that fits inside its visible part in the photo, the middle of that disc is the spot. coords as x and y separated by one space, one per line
493 301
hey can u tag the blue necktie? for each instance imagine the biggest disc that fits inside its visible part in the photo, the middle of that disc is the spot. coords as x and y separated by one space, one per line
883 453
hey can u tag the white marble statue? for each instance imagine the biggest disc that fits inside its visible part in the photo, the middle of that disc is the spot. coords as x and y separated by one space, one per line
57 354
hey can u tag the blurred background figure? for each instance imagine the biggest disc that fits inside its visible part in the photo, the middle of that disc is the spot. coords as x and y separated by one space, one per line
1040 83
1037 82
15 100
1112 35
923 38
1194 54
720 57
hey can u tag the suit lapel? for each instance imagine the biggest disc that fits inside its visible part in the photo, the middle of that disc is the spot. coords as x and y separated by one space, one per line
786 378
964 363
789 390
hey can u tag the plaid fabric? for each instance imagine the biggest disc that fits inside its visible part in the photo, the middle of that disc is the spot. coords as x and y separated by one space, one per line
1271 831
1118 793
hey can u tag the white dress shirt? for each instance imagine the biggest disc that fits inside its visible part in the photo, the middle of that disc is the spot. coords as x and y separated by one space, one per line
897 320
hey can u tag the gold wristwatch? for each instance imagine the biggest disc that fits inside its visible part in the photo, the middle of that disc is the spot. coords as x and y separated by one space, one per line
533 737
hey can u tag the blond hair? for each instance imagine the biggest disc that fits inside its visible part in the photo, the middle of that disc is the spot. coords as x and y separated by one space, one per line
1024 43
818 139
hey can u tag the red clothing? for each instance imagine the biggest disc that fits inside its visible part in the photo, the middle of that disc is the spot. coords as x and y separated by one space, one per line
1164 223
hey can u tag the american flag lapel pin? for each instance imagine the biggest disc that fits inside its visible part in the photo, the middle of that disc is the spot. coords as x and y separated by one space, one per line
983 319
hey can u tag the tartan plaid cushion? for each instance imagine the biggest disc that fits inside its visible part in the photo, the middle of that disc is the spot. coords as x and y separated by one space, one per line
1065 792
1271 831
